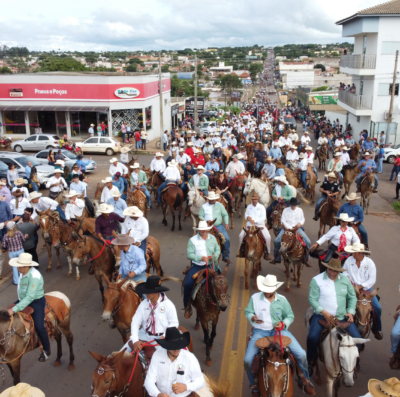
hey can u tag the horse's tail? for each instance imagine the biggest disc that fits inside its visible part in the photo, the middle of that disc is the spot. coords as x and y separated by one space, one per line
171 278
177 201
302 198
217 389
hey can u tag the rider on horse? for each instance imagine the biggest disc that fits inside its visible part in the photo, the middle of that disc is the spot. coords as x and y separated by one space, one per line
329 188
281 193
336 165
268 312
172 175
158 164
75 206
269 168
275 152
107 223
200 180
139 181
310 160
364 166
292 156
40 204
137 226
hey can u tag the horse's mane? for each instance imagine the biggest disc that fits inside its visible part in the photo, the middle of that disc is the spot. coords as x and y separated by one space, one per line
4 316
274 348
218 389
96 239
126 355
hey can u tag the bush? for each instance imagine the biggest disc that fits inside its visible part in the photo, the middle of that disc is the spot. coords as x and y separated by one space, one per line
323 88
396 206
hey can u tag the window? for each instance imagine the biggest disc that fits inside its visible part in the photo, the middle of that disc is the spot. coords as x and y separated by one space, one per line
104 140
43 138
9 162
92 140
3 167
358 119
55 137
31 139
386 89
42 155
14 121
390 47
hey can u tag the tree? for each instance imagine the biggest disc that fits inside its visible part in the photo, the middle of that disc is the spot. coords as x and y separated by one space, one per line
131 68
165 68
320 66
55 64
91 59
137 61
254 70
5 70
229 82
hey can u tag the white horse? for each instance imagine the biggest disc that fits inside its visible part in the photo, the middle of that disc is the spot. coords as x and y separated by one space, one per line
196 200
342 359
260 187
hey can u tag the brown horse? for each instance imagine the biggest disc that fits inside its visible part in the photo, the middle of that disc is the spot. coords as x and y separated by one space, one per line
236 188
172 198
154 182
85 224
355 152
367 186
253 252
211 298
350 172
293 180
322 155
99 190
328 210
16 339
363 318
102 259
293 253
276 217
138 198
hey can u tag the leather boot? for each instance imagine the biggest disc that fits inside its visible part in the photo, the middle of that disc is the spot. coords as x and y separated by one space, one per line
308 388
44 356
266 254
306 261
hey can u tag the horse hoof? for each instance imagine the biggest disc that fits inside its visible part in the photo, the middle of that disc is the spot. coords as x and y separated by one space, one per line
69 274
287 289
58 267
78 278
208 363
71 367
48 269
298 285
57 363
196 327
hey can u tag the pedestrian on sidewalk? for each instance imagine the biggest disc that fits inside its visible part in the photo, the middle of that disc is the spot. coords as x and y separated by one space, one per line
28 228
381 154
396 167
103 129
397 187
138 139
165 140
123 130
143 137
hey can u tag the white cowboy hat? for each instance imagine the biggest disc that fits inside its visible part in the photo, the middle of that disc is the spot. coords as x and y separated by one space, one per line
3 183
196 150
344 217
24 259
212 196
356 247
116 193
293 147
268 283
306 132
158 154
22 390
217 145
20 181
106 209
202 226
338 154
133 211
173 143
113 160
282 178
181 150
224 137
172 163
239 156
344 148
92 125
107 180
200 167
352 196
331 175
125 149
34 195
308 148
367 154
72 193
60 162
135 165
188 144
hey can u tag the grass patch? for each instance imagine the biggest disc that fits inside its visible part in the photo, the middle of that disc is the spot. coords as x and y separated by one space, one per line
396 206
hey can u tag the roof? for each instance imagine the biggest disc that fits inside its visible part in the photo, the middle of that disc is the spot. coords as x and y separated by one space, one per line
389 8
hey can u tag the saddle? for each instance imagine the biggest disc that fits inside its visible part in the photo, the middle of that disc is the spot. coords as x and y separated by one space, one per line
170 184
219 236
141 191
149 251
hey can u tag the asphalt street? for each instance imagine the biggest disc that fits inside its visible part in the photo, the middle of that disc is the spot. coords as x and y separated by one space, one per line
90 333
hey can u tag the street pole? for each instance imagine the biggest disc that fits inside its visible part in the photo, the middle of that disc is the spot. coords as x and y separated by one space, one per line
195 92
161 97
389 120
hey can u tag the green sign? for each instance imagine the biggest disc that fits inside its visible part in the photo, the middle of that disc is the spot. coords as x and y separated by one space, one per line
323 99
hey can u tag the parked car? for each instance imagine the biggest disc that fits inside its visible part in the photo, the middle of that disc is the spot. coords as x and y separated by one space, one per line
36 142
204 127
390 153
4 169
21 161
69 158
106 145
290 121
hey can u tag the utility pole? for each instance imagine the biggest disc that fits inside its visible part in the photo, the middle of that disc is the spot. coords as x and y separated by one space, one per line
195 91
161 97
389 119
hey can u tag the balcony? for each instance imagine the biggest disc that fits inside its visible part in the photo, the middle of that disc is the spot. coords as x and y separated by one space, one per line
359 105
358 64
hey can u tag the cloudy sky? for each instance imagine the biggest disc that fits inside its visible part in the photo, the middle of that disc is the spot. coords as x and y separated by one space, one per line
101 25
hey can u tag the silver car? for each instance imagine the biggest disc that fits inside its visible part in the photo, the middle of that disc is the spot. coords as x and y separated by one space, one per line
69 158
36 142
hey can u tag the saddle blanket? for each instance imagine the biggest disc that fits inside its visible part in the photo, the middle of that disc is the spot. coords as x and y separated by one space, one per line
171 184
196 289
149 251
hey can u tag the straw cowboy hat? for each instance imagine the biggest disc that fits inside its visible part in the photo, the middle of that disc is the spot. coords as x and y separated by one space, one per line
338 154
389 387
125 149
116 194
20 181
158 154
308 148
34 195
331 175
352 196
107 180
293 147
217 145
195 150
334 264
92 125
113 160
202 226
3 183
200 167
239 156
188 144
106 209
212 196
254 195
268 284
71 193
123 239
344 217
344 148
151 286
181 150
356 247
301 156
60 162
282 178
173 143
269 158
173 163
22 390
24 259
306 132
133 211
135 165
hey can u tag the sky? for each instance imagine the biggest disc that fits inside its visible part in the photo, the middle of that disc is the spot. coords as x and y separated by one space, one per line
119 25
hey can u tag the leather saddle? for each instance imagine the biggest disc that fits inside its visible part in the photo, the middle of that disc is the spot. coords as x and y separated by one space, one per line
170 184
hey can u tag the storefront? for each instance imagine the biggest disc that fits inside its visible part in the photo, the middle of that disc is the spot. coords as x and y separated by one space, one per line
68 103
174 115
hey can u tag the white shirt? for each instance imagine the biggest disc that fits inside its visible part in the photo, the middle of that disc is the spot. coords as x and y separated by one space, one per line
335 233
107 193
208 209
322 141
233 167
327 293
23 189
172 174
124 157
290 218
339 142
165 316
44 204
162 373
303 164
292 156
364 275
257 214
285 141
201 249
345 158
310 158
293 136
305 139
74 210
157 165
121 168
54 180
22 204
182 159
138 229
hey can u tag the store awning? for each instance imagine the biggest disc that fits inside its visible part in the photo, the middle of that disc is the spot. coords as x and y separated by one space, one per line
58 108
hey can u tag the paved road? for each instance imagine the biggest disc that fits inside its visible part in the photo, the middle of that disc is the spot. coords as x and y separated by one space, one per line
92 334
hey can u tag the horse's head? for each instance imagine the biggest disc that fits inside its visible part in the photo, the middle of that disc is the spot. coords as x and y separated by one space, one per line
81 249
288 239
363 309
45 222
55 233
220 286
99 189
276 217
371 178
251 240
192 192
116 250
247 186
111 297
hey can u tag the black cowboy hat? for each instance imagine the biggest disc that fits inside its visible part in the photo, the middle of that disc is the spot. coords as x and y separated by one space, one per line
174 340
151 286
293 201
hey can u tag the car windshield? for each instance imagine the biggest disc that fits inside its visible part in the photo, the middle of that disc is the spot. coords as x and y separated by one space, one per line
24 161
3 167
289 119
395 147
69 155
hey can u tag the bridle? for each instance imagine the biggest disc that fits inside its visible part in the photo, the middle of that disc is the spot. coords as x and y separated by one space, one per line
57 230
297 244
100 370
250 234
365 302
277 364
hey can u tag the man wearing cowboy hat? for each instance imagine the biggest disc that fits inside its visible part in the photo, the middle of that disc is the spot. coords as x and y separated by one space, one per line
275 152
310 160
153 316
213 210
198 158
19 184
355 210
339 141
361 271
116 167
172 175
56 184
59 165
91 130
139 181
329 188
174 371
182 158
31 293
77 185
18 204
332 297
388 387
285 140
235 167
124 156
305 140
212 167
40 204
118 182
340 236
282 193
200 180
137 226
367 165
345 156
158 164
293 136
302 169
208 147
118 203
268 311
292 156
203 250
336 165
255 216
269 168
75 206
108 189
107 223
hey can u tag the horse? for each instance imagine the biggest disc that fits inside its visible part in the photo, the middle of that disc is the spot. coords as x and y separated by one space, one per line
364 313
293 180
394 362
293 252
98 192
102 259
85 224
276 217
367 186
211 298
355 152
349 176
130 170
328 210
173 198
17 338
195 202
260 187
155 181
236 188
322 155
138 198
253 252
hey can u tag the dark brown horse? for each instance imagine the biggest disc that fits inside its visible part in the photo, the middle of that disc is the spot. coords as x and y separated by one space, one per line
328 210
172 198
363 318
322 155
367 186
355 152
349 172
276 217
154 183
16 338
253 252
236 188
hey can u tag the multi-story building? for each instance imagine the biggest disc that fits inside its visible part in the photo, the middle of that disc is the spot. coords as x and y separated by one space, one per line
376 39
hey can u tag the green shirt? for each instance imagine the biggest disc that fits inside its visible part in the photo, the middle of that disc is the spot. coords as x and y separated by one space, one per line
286 193
280 309
218 212
338 167
30 288
203 182
142 177
212 249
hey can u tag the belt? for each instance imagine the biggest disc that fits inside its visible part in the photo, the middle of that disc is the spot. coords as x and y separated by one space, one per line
149 333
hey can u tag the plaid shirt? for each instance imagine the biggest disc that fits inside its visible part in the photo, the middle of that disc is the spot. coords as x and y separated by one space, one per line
14 244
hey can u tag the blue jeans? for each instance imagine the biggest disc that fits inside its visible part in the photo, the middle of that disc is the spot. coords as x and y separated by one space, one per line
61 212
315 172
138 144
125 183
227 245
165 146
314 333
278 239
395 171
378 312
303 179
363 233
34 185
160 188
258 165
358 181
123 137
205 192
252 350
184 186
189 282
380 165
395 335
243 162
11 255
320 200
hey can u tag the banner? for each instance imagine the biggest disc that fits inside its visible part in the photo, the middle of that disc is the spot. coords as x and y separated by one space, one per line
323 99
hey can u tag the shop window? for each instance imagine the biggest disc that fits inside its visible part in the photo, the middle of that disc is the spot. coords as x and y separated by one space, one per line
14 122
133 117
61 123
148 111
33 122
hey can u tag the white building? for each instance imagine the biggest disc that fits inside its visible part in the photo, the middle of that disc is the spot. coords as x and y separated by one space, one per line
376 38
221 68
295 74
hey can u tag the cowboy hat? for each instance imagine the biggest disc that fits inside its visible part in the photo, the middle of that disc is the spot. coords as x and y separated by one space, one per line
188 144
106 209
202 226
135 165
282 178
22 390
293 201
151 286
17 193
308 148
306 132
268 284
301 156
352 196
338 154
92 125
173 143
212 196
331 175
3 183
20 181
217 145
113 160
367 154
344 148
356 247
24 259
254 195
125 149
293 147
158 154
239 156
181 149
269 158
107 180
123 239
334 264
174 339
389 387
116 193
344 217
195 151
71 193
58 171
133 211
200 167
34 195
172 163
60 162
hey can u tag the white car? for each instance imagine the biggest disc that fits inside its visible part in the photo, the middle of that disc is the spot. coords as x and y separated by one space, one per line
390 153
102 144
